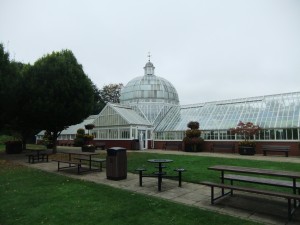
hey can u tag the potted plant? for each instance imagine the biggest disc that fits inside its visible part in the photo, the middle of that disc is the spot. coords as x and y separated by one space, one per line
79 139
247 131
89 127
88 148
48 139
192 141
85 141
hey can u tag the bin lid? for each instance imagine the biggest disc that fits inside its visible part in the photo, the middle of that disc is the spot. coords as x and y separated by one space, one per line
116 149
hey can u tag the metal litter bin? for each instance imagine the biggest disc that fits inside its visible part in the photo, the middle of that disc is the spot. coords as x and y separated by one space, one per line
116 163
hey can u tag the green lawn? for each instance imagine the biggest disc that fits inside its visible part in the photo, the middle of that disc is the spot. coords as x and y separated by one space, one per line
196 166
30 196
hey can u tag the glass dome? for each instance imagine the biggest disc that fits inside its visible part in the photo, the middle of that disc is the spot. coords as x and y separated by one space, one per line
150 95
149 88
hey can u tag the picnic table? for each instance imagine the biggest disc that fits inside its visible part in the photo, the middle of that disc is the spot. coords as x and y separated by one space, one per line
76 159
258 171
160 167
38 155
160 173
253 175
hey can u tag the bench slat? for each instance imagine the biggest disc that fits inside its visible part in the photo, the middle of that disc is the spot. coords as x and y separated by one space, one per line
288 196
252 190
222 146
260 180
92 160
276 148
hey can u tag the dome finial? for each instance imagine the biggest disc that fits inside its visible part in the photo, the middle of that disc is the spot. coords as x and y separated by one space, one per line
149 55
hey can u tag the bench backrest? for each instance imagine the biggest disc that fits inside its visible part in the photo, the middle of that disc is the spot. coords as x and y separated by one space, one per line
275 147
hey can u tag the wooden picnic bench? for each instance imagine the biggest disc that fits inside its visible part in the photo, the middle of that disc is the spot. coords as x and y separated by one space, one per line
261 180
255 176
276 148
223 147
71 163
287 196
93 160
38 156
173 145
75 158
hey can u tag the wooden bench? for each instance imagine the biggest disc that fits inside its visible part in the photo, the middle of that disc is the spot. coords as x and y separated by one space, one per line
34 156
223 147
71 163
261 180
287 196
276 148
173 145
100 145
95 160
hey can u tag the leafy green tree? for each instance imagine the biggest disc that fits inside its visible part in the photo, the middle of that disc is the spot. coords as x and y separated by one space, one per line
98 101
111 93
11 117
58 93
8 83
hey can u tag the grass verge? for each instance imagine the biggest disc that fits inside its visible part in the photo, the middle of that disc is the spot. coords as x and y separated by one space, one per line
30 196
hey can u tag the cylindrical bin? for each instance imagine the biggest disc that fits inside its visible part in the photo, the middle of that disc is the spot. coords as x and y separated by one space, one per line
116 163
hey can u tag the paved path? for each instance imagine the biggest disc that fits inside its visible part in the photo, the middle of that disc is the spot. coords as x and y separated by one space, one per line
273 211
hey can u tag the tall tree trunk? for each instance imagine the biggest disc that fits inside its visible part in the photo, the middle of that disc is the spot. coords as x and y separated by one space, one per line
23 143
55 135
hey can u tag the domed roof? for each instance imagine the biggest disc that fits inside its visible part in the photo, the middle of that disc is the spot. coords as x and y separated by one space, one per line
149 88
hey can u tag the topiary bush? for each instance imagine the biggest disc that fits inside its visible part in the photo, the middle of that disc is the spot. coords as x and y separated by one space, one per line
192 140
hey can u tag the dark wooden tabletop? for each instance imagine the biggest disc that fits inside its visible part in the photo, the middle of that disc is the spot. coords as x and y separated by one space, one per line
160 160
281 173
79 153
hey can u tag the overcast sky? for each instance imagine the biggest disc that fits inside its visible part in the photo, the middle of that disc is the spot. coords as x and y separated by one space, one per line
208 49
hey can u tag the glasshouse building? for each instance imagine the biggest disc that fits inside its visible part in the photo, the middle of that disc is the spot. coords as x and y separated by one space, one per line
150 116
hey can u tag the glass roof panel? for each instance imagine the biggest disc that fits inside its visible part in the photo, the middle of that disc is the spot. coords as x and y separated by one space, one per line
272 111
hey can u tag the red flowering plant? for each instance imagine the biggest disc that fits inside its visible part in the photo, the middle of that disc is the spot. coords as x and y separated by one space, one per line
247 131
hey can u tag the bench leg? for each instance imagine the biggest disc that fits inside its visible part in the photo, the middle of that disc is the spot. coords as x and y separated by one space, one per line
289 209
78 168
212 194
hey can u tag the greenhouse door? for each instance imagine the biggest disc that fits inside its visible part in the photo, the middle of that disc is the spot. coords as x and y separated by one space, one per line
143 139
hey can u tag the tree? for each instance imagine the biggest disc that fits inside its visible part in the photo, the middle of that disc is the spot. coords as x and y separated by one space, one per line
11 98
247 131
8 83
58 93
111 93
99 104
